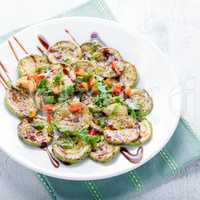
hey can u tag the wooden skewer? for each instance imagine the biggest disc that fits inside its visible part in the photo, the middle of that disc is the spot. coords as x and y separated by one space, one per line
40 50
12 49
5 70
3 80
22 47
72 37
3 84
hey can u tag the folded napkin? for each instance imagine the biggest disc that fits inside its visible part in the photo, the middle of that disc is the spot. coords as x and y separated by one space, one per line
182 149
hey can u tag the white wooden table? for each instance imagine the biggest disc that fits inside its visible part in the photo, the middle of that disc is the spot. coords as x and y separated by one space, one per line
174 25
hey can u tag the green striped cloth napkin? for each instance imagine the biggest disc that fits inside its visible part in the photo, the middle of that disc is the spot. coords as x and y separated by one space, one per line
183 148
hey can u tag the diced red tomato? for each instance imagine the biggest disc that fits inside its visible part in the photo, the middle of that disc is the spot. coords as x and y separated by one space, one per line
37 77
91 82
80 71
117 88
92 131
75 107
128 92
115 68
48 107
49 116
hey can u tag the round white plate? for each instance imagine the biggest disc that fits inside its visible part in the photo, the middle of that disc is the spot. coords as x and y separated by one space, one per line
156 76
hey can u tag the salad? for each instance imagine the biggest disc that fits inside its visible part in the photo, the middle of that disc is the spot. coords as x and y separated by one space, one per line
79 100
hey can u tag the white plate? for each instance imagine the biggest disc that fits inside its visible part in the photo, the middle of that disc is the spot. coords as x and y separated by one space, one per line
156 75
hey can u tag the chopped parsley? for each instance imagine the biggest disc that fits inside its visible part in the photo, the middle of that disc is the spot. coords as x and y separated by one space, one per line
41 68
66 92
94 56
101 87
85 136
132 113
132 104
93 139
101 122
117 99
102 100
80 78
115 109
57 78
139 115
49 99
134 109
42 85
38 125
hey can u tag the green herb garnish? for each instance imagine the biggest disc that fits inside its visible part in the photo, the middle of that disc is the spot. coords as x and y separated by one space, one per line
82 90
80 78
117 99
133 114
66 143
67 61
93 139
102 100
42 85
66 92
115 109
53 125
101 122
41 68
38 125
89 74
49 99
94 56
133 110
57 78
139 115
84 135
101 87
